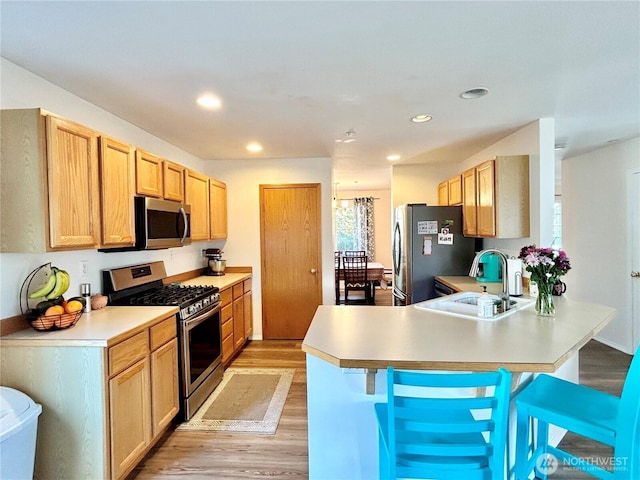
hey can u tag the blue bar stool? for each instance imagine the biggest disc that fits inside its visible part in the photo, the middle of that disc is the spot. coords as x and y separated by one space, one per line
611 420
424 433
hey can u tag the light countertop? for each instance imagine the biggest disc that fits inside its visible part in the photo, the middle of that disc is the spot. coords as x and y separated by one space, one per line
113 323
224 281
98 328
406 337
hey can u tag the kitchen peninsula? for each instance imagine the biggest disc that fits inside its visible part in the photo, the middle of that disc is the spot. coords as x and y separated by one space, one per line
349 348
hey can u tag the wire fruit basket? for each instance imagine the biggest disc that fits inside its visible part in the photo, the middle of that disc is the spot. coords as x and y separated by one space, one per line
32 309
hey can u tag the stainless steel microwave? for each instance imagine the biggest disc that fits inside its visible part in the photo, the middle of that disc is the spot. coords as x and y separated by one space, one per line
161 223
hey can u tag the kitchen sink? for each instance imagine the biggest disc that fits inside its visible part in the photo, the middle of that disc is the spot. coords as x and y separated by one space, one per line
465 305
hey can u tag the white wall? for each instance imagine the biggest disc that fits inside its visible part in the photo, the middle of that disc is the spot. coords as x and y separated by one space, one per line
382 220
22 89
243 178
418 183
596 218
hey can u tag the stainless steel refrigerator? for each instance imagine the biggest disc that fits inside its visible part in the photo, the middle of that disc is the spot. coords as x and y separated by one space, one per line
428 242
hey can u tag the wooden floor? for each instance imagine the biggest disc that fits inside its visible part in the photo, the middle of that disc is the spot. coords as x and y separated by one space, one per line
220 456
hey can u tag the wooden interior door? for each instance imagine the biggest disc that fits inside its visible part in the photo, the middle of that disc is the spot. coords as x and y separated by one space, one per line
291 258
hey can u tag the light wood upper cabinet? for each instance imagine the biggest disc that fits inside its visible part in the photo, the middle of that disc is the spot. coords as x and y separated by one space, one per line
117 180
500 190
443 193
74 199
217 209
469 203
148 174
455 190
49 184
173 181
450 191
485 195
196 194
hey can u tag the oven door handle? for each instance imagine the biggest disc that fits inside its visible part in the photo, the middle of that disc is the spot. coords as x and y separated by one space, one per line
201 317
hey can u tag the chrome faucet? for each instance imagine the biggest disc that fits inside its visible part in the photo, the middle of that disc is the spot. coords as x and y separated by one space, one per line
475 266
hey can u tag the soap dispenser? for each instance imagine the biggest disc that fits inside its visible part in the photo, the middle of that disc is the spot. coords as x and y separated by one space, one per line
485 304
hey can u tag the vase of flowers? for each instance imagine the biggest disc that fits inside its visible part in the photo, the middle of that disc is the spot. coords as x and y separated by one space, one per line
546 267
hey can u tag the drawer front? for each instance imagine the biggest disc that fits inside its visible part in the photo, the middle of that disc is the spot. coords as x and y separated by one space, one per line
227 329
225 296
247 285
238 290
226 313
163 332
128 352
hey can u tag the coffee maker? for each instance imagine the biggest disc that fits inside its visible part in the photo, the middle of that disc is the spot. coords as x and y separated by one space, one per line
215 265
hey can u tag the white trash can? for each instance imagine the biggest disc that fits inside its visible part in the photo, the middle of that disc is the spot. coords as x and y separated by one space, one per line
18 428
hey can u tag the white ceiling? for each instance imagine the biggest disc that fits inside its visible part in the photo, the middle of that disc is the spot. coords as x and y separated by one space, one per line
296 76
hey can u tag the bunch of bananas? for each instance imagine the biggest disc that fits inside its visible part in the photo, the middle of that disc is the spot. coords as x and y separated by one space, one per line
57 283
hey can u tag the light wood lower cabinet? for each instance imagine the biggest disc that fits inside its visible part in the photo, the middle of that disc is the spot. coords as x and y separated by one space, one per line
103 408
236 317
130 432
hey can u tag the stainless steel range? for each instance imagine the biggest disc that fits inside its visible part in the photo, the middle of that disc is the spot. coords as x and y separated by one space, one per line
199 328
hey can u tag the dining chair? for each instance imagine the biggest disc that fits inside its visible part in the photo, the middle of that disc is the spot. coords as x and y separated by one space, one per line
590 413
337 261
444 425
355 280
354 253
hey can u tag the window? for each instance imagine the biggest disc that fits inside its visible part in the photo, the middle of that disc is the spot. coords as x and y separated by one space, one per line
354 226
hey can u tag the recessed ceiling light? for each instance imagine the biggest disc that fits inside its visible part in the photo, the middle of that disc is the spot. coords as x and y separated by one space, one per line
475 93
209 101
393 158
254 147
421 118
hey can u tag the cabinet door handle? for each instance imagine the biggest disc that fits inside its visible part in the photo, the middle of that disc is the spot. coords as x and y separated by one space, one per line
313 270
635 274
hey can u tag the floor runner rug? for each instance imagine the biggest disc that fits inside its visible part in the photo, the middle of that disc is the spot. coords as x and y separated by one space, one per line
248 400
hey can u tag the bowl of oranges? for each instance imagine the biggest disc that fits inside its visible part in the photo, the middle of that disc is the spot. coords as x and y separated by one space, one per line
57 313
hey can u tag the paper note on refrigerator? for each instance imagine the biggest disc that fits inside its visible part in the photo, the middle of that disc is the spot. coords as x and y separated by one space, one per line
445 239
426 245
427 227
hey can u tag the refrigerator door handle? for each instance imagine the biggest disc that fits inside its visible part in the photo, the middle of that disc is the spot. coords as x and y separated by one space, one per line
397 246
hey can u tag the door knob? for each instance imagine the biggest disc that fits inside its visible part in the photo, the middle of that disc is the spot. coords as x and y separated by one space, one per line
635 274
313 270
